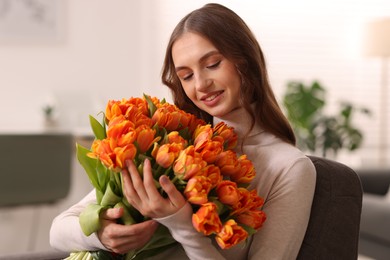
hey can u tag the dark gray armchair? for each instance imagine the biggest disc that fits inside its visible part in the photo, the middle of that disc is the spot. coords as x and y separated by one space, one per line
333 231
34 168
375 224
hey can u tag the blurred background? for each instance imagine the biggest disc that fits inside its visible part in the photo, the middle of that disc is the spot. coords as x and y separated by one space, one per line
61 60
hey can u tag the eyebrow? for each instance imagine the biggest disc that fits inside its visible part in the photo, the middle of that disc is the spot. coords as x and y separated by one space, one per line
202 59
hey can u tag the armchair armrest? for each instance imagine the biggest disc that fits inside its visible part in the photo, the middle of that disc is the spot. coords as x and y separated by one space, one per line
375 181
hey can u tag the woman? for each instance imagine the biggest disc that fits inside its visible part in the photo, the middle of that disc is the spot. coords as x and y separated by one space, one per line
216 70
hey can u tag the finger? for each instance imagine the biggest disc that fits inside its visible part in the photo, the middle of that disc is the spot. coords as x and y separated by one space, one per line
174 195
133 232
134 236
147 226
138 184
129 191
150 186
112 213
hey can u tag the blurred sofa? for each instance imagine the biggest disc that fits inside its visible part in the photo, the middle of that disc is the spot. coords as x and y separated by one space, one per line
375 219
35 167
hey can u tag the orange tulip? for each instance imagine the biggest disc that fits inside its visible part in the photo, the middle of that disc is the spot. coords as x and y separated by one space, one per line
127 139
231 235
113 158
146 138
209 150
119 126
206 219
228 135
252 218
228 193
174 137
213 173
123 154
194 122
113 110
185 119
176 119
202 134
228 163
197 190
116 108
137 116
247 171
167 117
250 200
156 101
101 150
167 154
188 164
140 103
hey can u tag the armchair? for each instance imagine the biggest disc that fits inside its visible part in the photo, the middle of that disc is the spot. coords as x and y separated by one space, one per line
333 230
35 168
375 223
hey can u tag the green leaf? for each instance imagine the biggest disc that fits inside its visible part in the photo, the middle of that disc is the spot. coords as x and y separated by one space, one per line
161 240
106 255
80 255
147 253
89 164
248 229
151 105
89 219
117 178
109 197
99 196
97 128
126 218
103 175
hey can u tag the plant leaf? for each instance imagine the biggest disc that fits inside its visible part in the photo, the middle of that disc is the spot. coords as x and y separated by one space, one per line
160 241
103 175
126 218
88 163
97 128
109 197
89 219
151 105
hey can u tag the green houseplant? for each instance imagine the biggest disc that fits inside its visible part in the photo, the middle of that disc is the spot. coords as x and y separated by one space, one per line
316 131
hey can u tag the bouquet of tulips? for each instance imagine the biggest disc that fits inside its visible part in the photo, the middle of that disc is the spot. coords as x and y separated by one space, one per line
197 157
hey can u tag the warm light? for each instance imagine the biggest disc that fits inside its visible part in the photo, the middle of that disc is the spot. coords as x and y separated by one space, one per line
377 38
377 41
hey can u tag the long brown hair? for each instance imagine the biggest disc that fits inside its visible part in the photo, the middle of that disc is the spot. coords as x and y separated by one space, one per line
235 41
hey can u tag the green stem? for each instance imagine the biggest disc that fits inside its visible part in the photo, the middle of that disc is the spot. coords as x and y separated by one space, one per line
126 218
175 179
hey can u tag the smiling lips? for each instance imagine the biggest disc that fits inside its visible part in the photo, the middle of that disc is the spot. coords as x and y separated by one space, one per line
211 97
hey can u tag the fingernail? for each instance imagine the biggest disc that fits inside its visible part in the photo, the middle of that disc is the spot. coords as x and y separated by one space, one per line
164 179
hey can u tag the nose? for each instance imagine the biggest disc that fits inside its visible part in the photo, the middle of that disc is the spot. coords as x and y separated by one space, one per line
202 82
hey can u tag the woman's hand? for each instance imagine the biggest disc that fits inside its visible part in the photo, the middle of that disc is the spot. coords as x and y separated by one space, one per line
123 238
144 196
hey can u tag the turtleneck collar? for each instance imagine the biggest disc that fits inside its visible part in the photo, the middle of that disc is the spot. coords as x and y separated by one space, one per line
240 120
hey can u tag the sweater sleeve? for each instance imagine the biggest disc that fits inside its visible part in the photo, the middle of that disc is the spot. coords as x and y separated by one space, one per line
287 207
66 234
195 244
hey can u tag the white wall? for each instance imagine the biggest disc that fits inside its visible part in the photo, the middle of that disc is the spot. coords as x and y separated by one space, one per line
114 49
104 54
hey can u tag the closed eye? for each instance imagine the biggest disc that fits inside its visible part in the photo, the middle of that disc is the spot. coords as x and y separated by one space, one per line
214 65
187 77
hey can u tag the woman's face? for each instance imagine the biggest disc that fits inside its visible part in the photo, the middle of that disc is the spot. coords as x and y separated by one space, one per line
210 80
